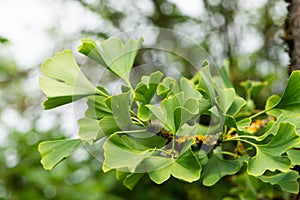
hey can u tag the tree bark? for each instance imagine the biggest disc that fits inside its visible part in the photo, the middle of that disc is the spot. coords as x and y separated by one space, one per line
292 34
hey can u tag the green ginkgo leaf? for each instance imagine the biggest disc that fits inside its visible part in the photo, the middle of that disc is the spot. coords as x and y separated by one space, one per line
63 82
165 112
289 103
269 156
97 108
146 89
189 89
118 154
144 92
225 98
217 167
55 151
187 112
167 87
91 50
120 57
237 104
294 155
287 181
114 55
253 88
186 167
132 179
89 130
120 106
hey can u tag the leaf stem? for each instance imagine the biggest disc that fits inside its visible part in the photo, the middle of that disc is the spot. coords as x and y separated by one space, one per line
102 93
139 121
133 131
227 153
239 138
259 113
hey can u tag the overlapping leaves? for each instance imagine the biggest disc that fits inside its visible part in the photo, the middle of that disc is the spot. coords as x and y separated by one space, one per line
155 128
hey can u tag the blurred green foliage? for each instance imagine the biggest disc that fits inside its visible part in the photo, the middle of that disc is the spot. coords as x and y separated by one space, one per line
225 28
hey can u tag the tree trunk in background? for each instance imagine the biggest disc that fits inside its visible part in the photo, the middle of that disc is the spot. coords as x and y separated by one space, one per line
292 34
292 38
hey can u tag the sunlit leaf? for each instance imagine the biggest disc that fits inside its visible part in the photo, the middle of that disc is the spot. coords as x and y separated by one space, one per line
55 151
114 55
271 102
62 80
91 50
120 57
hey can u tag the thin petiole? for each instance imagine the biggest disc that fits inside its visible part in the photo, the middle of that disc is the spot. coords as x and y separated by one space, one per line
133 131
226 153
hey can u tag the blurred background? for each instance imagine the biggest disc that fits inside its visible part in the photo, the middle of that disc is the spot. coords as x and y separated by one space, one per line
246 33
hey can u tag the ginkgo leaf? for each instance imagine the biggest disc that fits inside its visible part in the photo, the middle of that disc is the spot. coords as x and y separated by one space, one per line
55 151
287 181
89 130
253 88
225 98
165 112
132 179
289 103
144 92
119 155
63 82
97 108
167 87
217 167
189 89
185 113
120 104
294 155
145 89
237 104
120 57
114 55
186 167
269 156
91 50
225 74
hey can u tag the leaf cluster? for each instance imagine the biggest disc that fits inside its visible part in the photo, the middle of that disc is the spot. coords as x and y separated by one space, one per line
156 128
